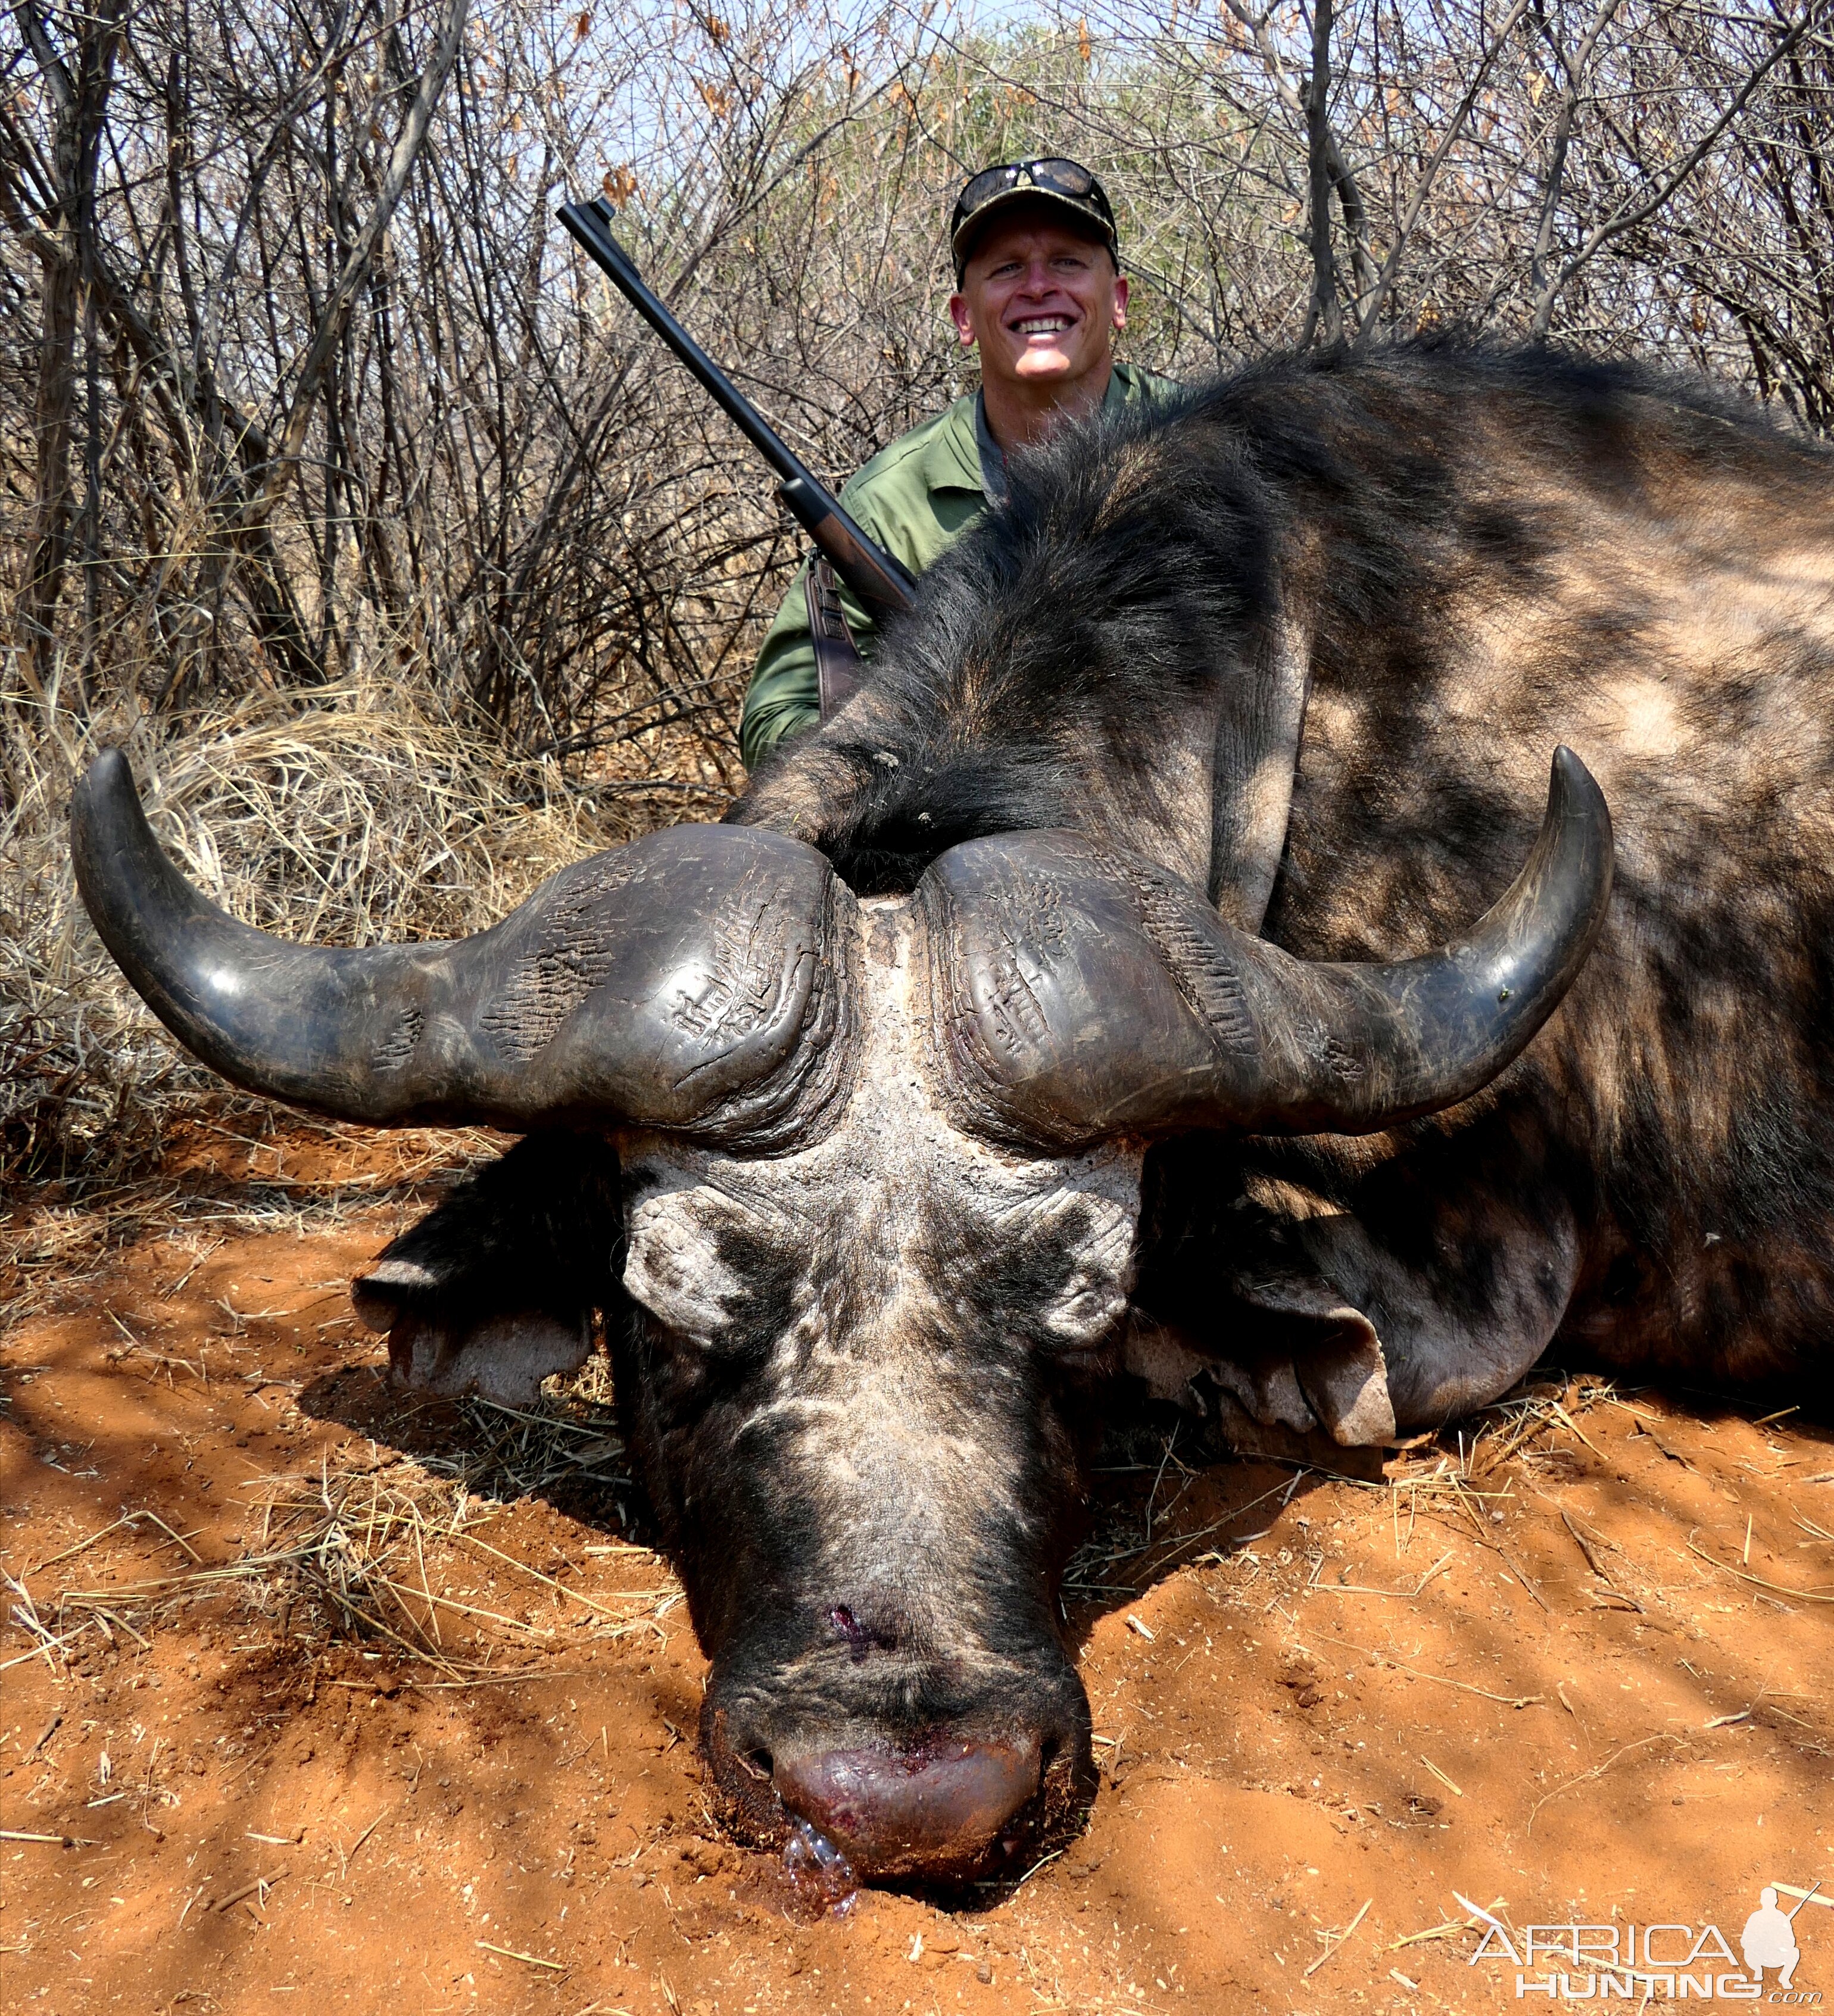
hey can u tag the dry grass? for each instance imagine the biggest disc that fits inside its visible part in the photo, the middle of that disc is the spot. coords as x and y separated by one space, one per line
1458 1474
384 1553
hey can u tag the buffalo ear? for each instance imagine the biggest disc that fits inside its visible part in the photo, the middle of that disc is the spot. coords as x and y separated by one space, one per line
1301 1401
1298 1353
504 1358
1286 1349
1234 1319
1280 1272
495 1287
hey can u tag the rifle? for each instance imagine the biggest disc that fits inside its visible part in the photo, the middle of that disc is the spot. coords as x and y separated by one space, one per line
873 575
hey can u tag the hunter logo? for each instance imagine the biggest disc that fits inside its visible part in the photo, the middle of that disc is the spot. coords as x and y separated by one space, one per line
1576 1963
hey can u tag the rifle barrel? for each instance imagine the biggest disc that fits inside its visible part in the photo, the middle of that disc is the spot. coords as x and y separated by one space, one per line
878 580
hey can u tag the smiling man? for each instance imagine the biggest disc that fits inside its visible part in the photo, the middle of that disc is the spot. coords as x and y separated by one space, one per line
1041 293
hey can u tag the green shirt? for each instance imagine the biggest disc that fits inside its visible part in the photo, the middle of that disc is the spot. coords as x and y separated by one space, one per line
914 498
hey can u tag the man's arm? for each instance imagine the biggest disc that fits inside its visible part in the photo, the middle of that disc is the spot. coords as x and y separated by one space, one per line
784 696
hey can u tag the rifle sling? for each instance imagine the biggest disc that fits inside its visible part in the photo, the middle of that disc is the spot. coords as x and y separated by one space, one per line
837 665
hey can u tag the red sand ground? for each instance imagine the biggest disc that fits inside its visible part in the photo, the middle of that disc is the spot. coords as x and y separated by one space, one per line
1592 1686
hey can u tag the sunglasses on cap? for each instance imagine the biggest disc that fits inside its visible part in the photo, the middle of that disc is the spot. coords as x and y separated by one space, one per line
1055 179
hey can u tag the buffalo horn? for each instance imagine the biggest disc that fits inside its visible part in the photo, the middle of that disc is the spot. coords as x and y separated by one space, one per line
1082 992
683 981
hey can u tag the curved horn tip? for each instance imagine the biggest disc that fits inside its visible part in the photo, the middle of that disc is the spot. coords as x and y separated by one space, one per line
108 775
105 798
1572 790
1577 826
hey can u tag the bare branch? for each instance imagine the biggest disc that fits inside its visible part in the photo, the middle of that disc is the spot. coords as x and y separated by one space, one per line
1326 314
1602 234
357 266
1575 71
1297 102
1385 280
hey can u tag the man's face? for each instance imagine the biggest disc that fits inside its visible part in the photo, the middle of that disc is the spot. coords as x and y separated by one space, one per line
1041 300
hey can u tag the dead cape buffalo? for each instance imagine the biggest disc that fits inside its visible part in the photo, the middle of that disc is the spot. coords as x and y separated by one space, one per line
1092 1009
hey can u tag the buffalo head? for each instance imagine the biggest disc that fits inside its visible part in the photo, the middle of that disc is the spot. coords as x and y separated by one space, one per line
874 1169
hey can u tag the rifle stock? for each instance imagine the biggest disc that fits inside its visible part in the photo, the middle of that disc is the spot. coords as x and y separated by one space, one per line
879 581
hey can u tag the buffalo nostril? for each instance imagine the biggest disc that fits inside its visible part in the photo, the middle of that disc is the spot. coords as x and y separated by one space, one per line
760 1763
